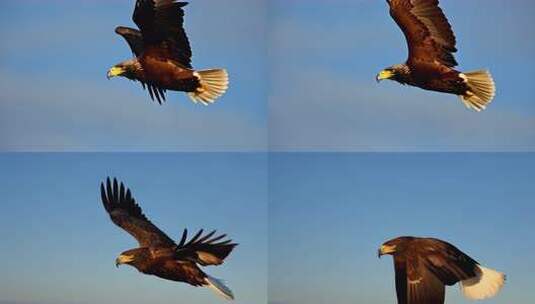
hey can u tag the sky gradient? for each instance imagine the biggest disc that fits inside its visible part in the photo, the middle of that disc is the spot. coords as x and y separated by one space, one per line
55 96
302 79
324 56
59 245
329 213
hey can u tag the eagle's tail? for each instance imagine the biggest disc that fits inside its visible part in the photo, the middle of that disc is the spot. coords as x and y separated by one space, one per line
219 287
481 89
485 284
213 84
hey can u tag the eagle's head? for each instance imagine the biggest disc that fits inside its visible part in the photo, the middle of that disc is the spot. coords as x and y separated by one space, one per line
397 72
130 257
124 69
394 246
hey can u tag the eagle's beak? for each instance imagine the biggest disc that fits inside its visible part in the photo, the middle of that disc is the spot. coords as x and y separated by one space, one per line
123 259
384 74
385 249
114 72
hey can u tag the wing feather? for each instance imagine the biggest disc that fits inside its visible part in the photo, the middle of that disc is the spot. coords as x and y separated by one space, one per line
126 213
427 31
155 93
423 287
204 250
162 25
134 39
446 261
400 267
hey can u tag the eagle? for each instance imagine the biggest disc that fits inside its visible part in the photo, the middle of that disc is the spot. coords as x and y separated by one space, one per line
424 266
157 253
162 55
430 64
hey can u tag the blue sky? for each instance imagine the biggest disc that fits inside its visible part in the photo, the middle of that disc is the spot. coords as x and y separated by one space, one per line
329 213
59 245
325 55
313 61
55 96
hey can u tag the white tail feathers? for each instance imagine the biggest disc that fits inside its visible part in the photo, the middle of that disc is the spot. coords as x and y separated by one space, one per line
486 284
214 83
219 287
481 89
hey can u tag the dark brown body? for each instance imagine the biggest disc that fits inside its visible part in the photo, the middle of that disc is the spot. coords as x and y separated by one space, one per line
162 262
434 77
165 73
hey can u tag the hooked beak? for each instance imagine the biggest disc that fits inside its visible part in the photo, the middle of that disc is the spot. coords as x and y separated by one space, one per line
114 72
123 259
385 249
384 74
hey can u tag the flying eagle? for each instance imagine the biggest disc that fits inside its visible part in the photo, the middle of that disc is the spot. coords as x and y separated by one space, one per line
425 265
431 63
158 254
163 55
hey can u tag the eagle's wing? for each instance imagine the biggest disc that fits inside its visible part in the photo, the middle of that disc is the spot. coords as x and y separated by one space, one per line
400 267
428 32
423 287
125 213
161 24
446 261
133 37
204 249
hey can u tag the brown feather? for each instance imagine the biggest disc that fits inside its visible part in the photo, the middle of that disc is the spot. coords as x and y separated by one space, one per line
427 30
161 24
125 213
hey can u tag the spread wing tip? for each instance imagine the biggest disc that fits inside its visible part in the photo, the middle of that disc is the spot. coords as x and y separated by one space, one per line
114 194
208 239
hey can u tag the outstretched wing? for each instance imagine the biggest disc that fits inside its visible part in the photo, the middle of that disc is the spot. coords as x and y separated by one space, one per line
161 24
125 213
133 37
204 250
446 261
428 32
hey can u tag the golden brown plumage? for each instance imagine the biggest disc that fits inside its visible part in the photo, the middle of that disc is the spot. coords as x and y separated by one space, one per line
431 44
163 55
158 254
